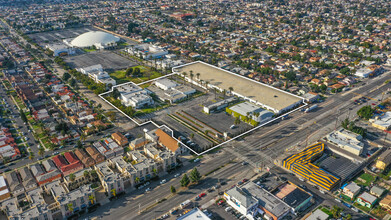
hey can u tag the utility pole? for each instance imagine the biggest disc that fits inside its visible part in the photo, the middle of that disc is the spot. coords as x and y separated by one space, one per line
336 122
139 208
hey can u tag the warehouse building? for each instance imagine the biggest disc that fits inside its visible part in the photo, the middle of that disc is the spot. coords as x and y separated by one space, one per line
268 97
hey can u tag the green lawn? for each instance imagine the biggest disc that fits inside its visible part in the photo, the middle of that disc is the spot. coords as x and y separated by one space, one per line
367 177
326 210
87 50
120 77
364 208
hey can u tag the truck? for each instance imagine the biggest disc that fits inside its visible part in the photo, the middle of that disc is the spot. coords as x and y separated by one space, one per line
310 108
185 204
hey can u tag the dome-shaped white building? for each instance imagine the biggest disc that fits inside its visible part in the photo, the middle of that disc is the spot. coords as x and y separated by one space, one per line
92 38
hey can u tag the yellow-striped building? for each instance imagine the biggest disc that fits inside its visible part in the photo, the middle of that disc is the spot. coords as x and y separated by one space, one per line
301 165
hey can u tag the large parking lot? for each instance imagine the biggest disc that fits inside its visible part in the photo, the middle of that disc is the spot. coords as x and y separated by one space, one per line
44 38
109 60
219 122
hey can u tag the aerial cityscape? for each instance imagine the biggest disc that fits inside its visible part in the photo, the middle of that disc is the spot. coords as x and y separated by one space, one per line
195 110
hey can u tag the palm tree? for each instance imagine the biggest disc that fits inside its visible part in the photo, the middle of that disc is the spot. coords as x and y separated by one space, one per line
198 76
86 174
184 74
191 77
72 177
224 92
231 89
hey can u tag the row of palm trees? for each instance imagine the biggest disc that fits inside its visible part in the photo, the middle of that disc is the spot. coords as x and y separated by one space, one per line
202 82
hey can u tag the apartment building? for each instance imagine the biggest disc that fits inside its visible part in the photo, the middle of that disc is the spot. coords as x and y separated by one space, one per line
112 182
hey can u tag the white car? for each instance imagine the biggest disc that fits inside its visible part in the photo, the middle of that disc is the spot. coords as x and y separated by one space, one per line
148 189
163 181
177 175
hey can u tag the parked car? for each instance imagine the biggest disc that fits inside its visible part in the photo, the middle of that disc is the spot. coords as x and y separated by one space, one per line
197 160
163 181
228 209
148 189
197 198
202 195
220 202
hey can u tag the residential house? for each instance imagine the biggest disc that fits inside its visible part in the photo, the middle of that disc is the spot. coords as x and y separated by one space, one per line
120 139
366 199
93 152
377 191
45 173
27 178
137 143
385 203
4 191
14 183
84 158
351 190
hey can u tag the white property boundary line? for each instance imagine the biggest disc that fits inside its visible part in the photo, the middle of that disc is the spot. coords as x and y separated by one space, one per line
172 133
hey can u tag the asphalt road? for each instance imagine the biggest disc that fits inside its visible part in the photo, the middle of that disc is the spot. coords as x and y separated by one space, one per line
127 207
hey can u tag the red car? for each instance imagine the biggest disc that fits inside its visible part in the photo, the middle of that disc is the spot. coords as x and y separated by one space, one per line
244 180
202 195
220 202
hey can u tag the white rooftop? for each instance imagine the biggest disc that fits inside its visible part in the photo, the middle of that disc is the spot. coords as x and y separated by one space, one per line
93 37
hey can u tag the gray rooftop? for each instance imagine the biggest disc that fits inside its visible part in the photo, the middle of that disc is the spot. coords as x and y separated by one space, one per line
267 200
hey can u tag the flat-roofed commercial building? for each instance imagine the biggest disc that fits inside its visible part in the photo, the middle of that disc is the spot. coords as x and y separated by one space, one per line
261 94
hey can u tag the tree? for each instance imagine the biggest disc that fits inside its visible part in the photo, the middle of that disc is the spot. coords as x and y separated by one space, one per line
129 71
336 211
230 90
86 174
192 136
185 181
173 190
66 76
237 121
41 151
348 217
115 94
136 71
184 74
23 116
365 112
131 27
195 175
31 156
79 144
198 76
